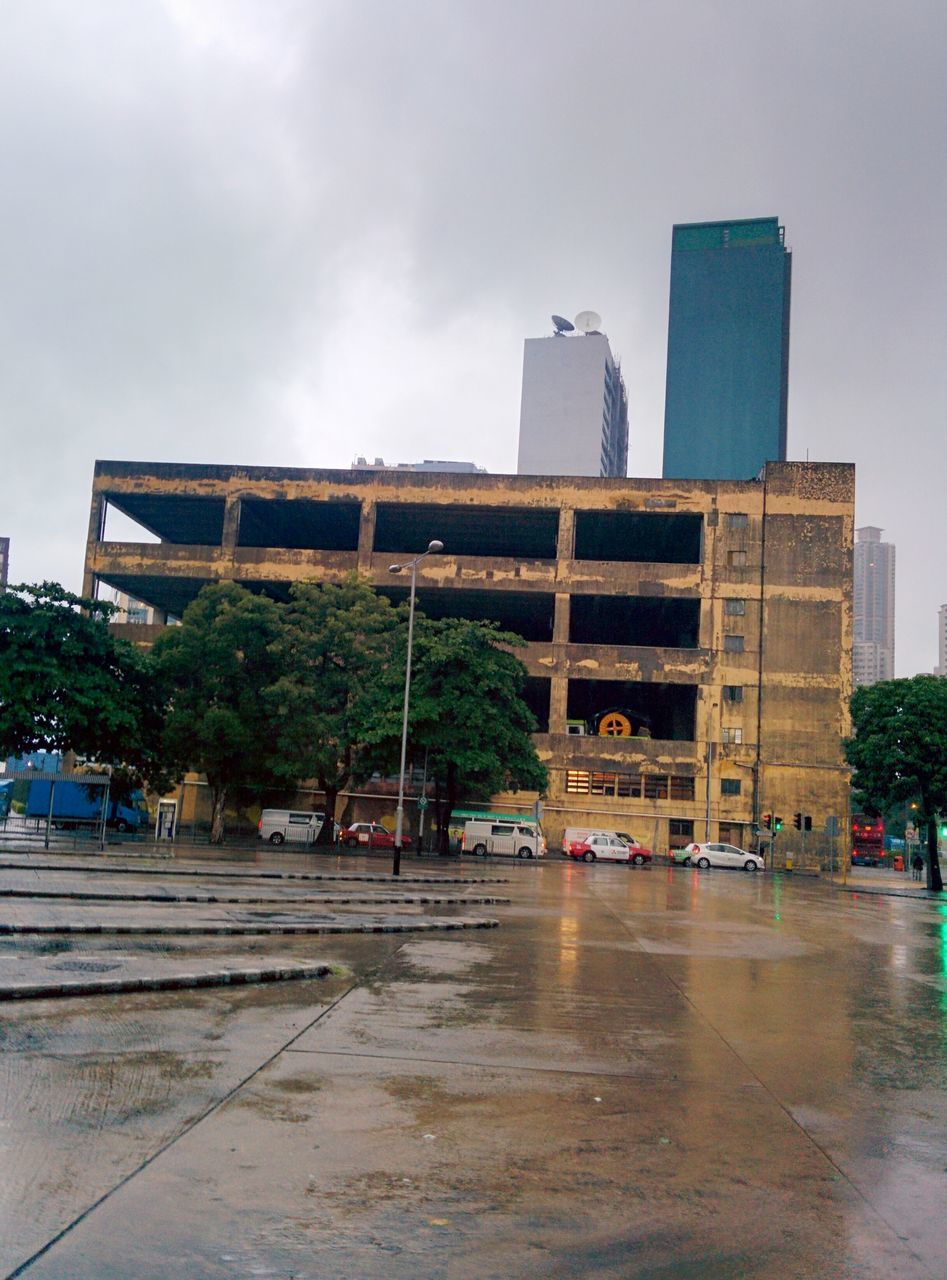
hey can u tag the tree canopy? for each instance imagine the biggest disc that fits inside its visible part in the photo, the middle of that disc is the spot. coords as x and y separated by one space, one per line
467 712
67 683
331 654
898 752
217 667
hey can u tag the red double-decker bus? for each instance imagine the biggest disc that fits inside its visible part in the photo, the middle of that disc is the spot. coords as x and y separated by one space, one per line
868 841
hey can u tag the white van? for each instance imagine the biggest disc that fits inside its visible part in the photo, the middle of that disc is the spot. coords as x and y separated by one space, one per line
511 839
290 826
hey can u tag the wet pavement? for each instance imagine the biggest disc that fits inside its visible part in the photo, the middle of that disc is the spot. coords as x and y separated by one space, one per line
656 1073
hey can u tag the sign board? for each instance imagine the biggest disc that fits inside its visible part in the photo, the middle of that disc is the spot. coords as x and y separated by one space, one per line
422 803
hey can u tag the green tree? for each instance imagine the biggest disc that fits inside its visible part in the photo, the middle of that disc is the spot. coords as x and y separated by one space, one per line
467 713
334 645
898 752
67 683
217 666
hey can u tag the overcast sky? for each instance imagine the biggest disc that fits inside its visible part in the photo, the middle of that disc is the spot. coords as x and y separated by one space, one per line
289 232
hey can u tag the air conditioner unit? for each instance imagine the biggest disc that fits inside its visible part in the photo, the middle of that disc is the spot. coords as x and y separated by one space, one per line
576 728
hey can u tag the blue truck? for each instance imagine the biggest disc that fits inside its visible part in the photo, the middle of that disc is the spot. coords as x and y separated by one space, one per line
78 805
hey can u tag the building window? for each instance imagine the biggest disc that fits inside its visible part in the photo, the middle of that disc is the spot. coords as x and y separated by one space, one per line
729 786
682 788
680 832
733 693
737 520
735 608
656 786
733 644
736 559
731 833
732 735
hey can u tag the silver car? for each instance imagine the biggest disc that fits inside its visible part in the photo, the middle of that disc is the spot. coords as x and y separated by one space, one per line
723 855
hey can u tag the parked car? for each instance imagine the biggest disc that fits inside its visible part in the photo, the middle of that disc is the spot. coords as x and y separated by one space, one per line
609 846
370 835
681 857
723 855
520 839
281 826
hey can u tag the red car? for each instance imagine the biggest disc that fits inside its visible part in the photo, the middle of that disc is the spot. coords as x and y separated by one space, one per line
609 846
370 835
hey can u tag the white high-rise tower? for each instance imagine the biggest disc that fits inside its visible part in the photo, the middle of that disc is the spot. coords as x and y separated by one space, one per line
873 647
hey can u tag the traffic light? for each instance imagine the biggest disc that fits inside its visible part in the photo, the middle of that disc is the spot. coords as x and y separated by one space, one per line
797 821
768 821
943 831
807 822
777 823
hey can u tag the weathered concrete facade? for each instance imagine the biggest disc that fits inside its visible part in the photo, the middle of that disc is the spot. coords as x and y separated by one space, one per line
713 618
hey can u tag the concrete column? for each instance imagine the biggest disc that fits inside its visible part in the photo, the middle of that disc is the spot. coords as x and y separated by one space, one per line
96 531
366 537
558 702
231 531
560 621
565 545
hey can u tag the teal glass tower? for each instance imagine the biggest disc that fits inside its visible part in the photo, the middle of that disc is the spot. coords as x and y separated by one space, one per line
728 349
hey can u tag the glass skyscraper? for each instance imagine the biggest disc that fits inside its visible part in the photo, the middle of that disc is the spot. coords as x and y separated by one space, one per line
728 349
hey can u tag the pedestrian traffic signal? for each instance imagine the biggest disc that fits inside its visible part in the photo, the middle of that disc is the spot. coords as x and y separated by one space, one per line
777 823
797 821
768 821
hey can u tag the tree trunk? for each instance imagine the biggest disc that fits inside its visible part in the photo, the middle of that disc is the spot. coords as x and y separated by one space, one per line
934 880
326 835
450 803
217 814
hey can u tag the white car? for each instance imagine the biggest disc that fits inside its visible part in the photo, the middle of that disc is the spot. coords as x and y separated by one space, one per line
723 855
601 846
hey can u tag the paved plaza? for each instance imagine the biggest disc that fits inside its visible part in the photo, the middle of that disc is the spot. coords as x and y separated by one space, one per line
485 1069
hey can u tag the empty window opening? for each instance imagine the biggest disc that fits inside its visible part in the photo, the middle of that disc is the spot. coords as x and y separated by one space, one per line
521 533
528 614
118 527
729 786
650 621
620 709
300 524
536 696
182 519
638 536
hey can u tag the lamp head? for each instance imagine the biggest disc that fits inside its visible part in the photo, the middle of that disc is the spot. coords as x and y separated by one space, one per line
435 546
394 568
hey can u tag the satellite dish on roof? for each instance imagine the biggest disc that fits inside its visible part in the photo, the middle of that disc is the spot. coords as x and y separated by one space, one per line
562 324
588 322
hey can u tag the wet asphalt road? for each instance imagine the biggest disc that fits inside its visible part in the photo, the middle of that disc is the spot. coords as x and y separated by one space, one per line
651 1073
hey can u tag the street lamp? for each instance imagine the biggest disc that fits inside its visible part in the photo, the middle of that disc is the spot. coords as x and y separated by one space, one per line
432 547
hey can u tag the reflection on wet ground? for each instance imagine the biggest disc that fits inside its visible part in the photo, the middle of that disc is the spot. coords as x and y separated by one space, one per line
641 1073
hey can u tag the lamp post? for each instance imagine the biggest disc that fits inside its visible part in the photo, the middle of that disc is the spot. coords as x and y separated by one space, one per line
432 547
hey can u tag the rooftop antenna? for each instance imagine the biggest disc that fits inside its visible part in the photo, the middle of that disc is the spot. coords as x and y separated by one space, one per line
562 324
588 322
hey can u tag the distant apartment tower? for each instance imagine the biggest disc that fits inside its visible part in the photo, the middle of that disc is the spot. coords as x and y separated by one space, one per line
873 639
728 349
941 668
4 561
574 410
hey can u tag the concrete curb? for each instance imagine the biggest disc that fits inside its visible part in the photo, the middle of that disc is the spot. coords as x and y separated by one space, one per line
173 982
213 899
365 877
237 930
918 895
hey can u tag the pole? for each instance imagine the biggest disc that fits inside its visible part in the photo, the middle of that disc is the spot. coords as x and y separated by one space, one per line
399 821
710 761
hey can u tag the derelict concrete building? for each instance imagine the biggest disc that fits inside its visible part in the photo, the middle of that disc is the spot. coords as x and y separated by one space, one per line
688 642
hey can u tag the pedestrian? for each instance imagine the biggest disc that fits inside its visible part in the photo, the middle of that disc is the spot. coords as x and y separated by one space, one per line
917 866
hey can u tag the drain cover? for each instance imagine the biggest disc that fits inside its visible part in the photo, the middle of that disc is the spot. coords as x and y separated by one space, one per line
86 966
